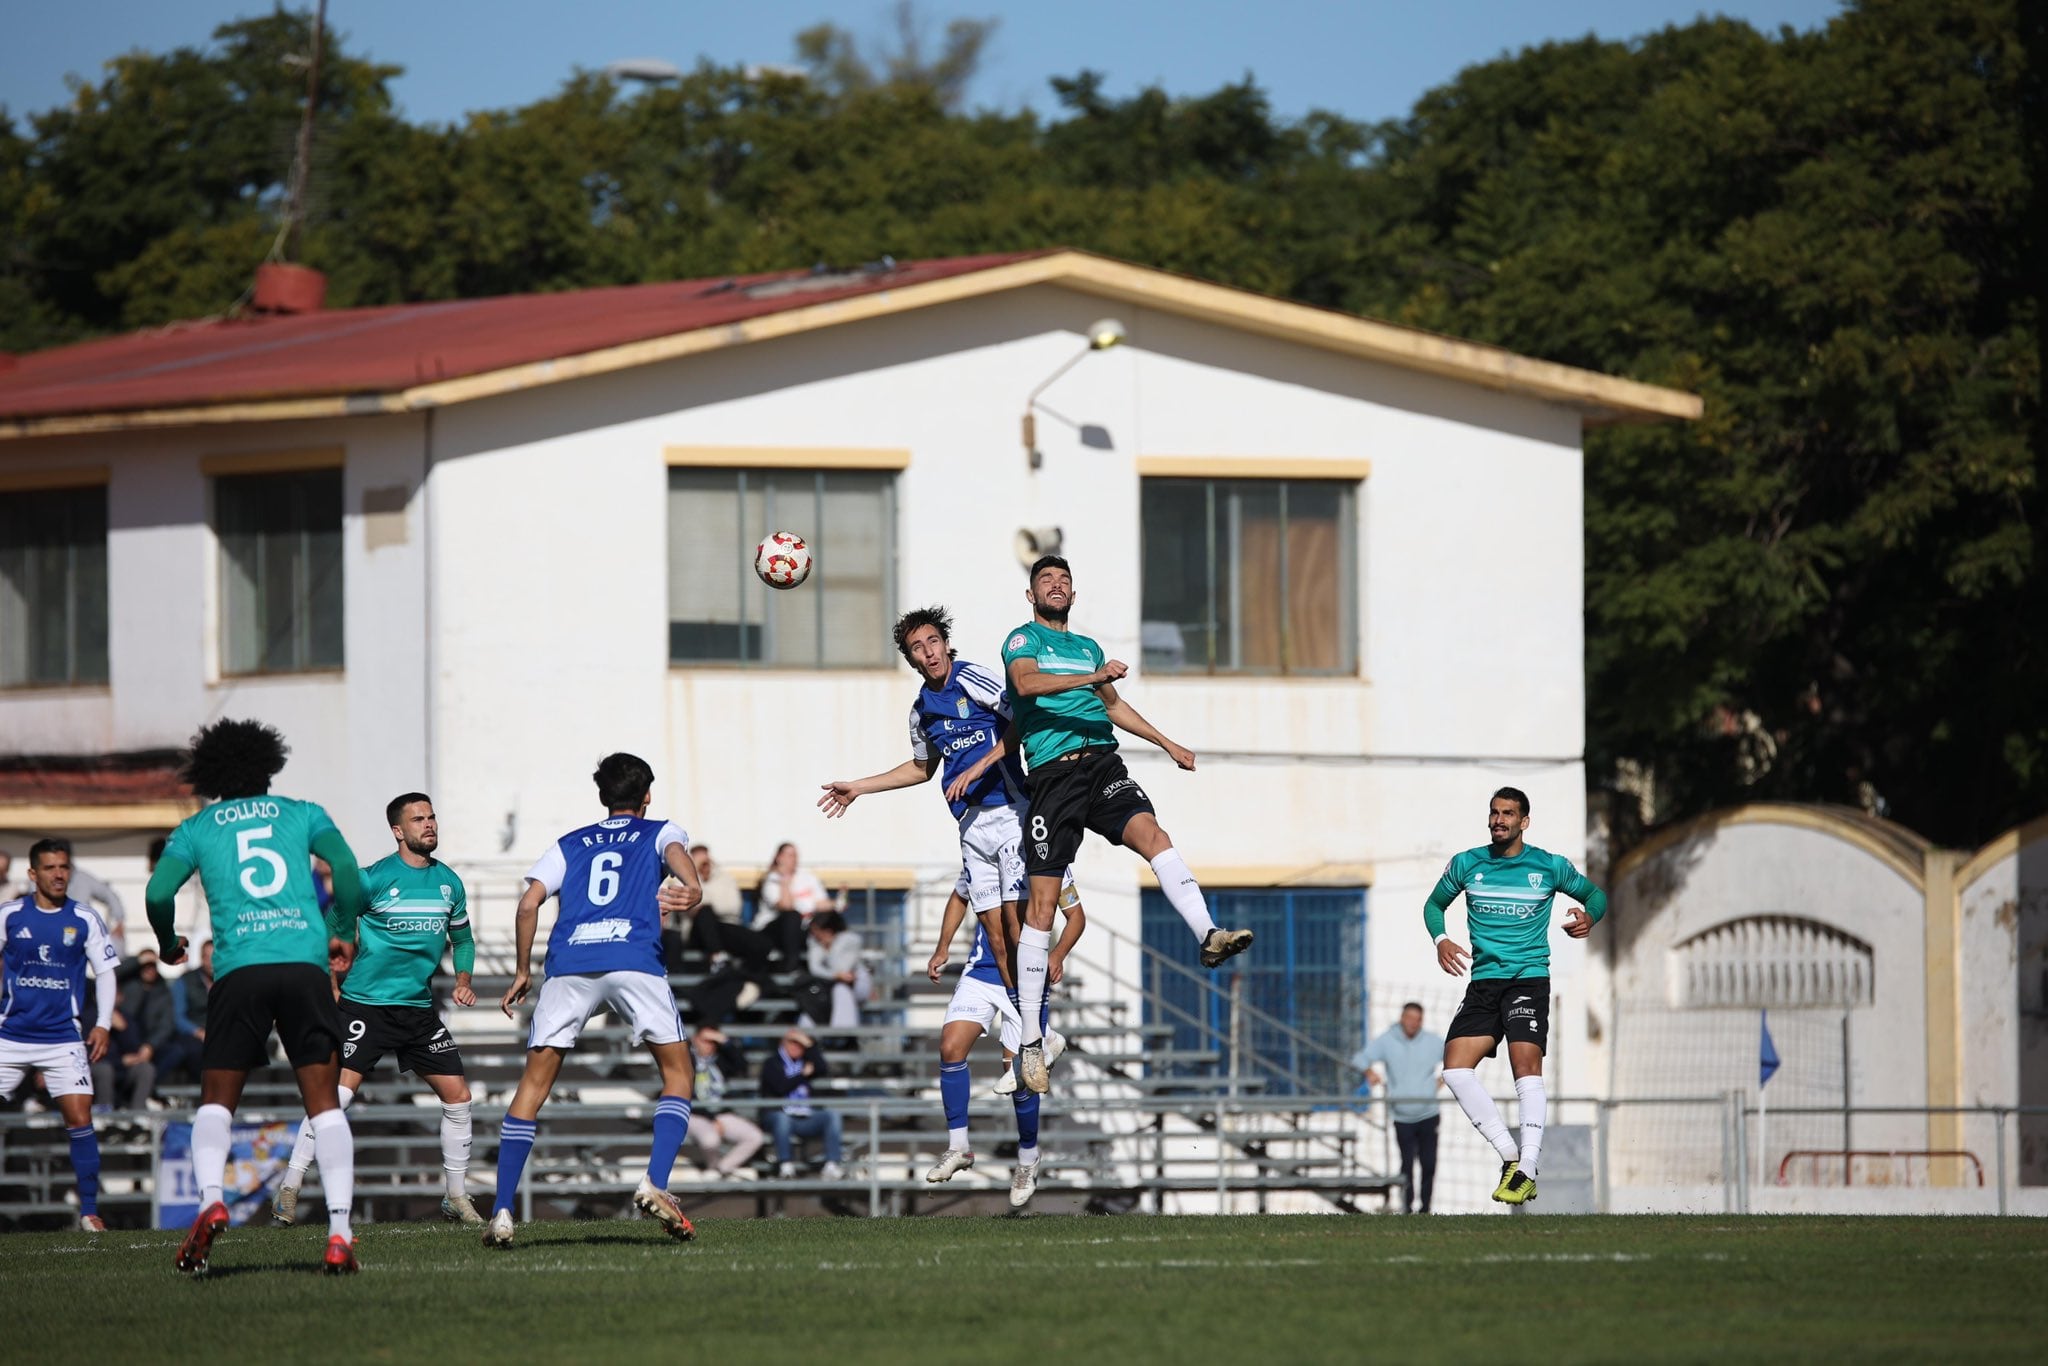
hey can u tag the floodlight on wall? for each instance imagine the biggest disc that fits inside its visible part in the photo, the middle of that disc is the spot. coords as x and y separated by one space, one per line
1103 333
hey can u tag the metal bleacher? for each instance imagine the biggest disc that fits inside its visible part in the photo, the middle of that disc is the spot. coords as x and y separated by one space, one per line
1133 1122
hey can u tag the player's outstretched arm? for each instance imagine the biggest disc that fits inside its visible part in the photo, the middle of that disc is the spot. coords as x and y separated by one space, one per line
160 902
1580 920
1004 747
949 925
1125 717
840 794
1451 956
1028 680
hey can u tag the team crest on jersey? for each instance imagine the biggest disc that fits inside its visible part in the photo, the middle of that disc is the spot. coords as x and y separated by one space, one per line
70 935
447 895
962 704
1536 880
1016 642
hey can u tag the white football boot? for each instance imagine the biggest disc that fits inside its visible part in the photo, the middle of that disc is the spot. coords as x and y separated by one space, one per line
950 1164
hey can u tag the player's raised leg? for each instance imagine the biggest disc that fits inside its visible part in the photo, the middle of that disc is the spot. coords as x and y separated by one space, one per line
1143 836
1462 1055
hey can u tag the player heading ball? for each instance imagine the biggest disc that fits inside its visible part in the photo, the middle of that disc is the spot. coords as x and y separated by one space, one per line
1064 702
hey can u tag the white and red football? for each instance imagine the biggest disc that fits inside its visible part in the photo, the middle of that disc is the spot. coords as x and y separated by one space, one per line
782 560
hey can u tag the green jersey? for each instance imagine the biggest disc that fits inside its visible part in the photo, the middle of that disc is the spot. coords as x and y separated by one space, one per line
254 857
1507 906
409 917
1060 722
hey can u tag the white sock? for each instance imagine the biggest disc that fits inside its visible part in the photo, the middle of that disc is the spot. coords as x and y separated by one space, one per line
1034 950
957 1138
337 1151
210 1139
1184 892
1027 1156
1529 1091
302 1146
1480 1109
455 1148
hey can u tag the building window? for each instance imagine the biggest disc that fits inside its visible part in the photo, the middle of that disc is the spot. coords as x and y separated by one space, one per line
1249 576
1307 973
53 587
280 540
719 613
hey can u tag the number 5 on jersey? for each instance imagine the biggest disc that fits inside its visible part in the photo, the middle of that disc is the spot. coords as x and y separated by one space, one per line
249 855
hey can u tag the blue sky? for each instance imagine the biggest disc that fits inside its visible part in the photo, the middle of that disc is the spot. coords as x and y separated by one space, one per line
1368 59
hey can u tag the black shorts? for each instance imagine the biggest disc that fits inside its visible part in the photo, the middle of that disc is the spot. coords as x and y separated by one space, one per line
1513 1008
295 999
414 1034
1072 795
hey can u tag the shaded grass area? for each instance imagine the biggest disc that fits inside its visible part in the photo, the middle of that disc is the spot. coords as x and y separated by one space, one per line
1137 1289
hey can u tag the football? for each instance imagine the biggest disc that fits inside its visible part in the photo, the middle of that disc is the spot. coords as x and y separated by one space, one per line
782 560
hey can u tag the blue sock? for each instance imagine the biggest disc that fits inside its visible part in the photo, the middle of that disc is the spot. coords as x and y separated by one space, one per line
515 1141
954 1088
1027 1124
85 1165
671 1127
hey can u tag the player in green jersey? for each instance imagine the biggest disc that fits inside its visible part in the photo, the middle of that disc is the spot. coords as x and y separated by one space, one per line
1066 712
417 910
254 856
1508 887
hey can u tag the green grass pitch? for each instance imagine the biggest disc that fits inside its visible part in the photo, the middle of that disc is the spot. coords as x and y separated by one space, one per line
1051 1289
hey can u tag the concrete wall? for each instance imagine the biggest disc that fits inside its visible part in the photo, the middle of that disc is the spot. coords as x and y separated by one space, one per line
2003 962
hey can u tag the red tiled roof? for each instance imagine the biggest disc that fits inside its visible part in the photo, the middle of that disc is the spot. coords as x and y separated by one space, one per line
67 780
383 350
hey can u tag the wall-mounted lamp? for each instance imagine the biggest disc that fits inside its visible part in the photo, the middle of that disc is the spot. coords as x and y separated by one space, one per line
1103 333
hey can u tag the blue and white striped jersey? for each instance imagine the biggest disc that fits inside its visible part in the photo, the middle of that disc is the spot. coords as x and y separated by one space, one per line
961 722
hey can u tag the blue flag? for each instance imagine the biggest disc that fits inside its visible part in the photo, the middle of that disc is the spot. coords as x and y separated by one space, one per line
1767 1057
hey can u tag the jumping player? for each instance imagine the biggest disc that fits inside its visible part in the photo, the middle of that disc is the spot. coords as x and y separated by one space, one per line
1508 887
604 954
979 1001
1063 694
254 856
417 910
958 722
49 945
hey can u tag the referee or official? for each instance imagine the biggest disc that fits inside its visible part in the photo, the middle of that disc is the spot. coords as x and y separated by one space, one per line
1413 1058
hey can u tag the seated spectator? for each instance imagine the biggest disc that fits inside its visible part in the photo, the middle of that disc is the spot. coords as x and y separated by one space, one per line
716 1057
126 1077
188 998
789 897
838 981
152 1011
721 893
787 1076
720 932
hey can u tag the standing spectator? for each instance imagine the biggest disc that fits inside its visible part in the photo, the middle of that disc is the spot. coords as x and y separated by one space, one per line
188 995
839 981
716 1057
1413 1058
790 896
787 1076
85 887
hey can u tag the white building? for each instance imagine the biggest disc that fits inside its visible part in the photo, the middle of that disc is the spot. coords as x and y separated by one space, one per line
470 547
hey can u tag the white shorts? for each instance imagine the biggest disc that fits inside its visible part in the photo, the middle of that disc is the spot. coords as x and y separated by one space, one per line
1070 895
641 999
992 857
985 1003
63 1065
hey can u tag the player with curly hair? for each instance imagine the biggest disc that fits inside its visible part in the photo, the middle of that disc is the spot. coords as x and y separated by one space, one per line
253 853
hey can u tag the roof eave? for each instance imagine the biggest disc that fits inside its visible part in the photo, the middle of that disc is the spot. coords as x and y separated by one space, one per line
1600 399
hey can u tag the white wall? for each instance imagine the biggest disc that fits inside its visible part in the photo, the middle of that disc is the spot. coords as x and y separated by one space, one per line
2004 965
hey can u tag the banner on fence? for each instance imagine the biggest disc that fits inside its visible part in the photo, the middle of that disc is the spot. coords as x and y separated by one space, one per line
257 1157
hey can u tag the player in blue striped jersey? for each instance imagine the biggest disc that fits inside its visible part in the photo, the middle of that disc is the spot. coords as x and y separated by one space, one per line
49 946
604 954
